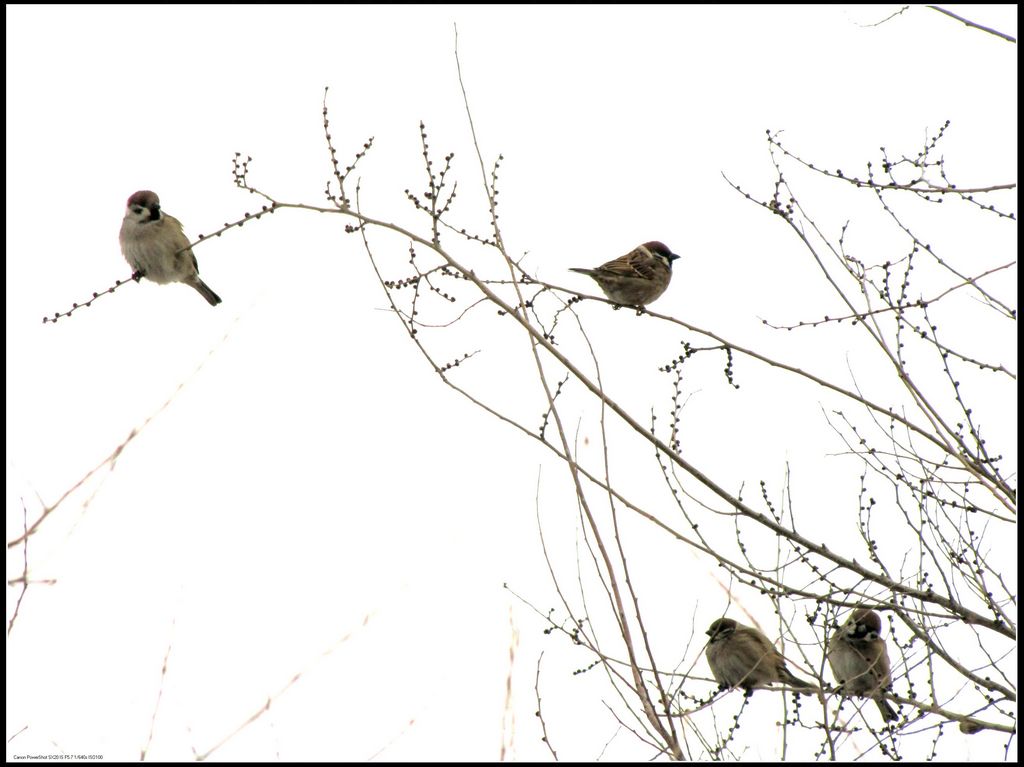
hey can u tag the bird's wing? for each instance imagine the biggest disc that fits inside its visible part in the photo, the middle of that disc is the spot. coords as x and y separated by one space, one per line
633 264
180 239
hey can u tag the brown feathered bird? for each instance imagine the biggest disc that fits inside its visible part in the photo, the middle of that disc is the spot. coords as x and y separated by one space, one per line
860 661
741 656
637 278
155 245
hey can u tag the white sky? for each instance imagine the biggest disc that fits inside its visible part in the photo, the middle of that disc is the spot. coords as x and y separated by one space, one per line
315 472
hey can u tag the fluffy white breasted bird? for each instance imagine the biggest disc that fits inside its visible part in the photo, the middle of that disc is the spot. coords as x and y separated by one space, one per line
860 661
741 656
152 243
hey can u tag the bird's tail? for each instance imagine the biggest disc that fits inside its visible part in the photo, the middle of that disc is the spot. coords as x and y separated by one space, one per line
588 272
796 682
886 710
204 290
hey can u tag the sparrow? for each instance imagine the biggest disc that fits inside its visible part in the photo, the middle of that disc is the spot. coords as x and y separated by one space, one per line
637 278
859 660
741 656
151 241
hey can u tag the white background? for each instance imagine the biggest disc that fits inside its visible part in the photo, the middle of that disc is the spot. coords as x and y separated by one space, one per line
315 472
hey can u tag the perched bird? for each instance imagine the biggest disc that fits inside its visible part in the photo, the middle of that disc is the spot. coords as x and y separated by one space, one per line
150 241
859 660
741 656
636 278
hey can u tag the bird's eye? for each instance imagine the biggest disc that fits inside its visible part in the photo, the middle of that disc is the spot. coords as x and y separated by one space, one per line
137 209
